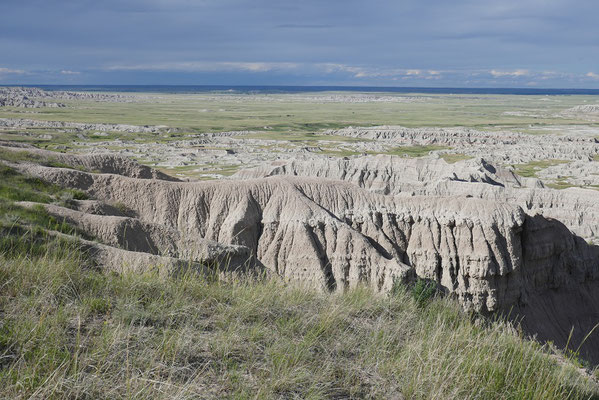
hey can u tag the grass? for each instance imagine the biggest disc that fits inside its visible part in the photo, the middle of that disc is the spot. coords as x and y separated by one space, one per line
18 187
286 117
339 152
21 156
21 227
531 169
414 151
69 331
452 158
561 183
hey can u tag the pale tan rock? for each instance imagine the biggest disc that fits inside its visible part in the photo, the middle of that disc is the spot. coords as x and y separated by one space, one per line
485 251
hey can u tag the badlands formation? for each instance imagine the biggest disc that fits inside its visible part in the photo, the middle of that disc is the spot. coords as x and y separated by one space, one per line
498 242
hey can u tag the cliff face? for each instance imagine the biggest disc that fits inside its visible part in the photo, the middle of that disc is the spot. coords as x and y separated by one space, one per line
407 177
330 234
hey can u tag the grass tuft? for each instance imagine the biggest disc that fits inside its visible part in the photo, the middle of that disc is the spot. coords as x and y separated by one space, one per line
452 158
530 170
76 332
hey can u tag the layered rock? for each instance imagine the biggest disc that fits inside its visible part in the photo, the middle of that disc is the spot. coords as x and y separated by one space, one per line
22 123
24 98
400 176
333 235
499 147
392 174
586 108
31 97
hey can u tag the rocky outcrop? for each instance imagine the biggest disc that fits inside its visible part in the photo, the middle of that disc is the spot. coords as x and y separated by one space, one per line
586 109
24 98
18 123
335 235
99 163
31 97
498 147
400 176
489 254
135 235
392 174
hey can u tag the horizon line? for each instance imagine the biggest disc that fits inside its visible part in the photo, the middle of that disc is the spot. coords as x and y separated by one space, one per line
297 86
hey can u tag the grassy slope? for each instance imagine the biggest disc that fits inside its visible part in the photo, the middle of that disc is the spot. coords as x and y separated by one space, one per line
68 330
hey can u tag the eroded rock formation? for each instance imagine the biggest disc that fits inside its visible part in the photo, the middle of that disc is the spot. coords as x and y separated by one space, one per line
321 231
400 176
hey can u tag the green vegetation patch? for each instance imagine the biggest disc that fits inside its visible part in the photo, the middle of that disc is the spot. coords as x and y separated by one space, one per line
74 332
15 186
531 169
561 183
22 229
452 158
339 152
414 151
27 156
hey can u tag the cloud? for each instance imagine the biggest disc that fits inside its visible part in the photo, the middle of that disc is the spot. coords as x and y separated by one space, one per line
343 43
205 66
12 71
516 73
592 75
68 72
304 26
393 73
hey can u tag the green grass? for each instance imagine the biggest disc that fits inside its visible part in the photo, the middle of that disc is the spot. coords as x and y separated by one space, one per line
71 331
596 157
561 183
285 117
452 158
414 151
22 228
531 169
15 186
339 152
27 156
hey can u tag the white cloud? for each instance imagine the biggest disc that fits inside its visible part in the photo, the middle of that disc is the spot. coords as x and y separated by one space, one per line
68 72
206 66
12 71
393 73
237 66
515 73
363 73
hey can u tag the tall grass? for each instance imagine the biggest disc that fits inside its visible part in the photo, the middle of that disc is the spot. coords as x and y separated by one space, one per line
70 331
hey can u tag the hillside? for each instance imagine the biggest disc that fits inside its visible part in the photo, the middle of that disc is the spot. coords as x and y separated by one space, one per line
71 329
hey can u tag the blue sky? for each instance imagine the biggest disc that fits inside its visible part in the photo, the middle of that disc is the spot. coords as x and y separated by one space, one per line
456 43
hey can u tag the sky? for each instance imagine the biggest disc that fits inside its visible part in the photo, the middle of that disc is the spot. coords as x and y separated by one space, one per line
430 43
